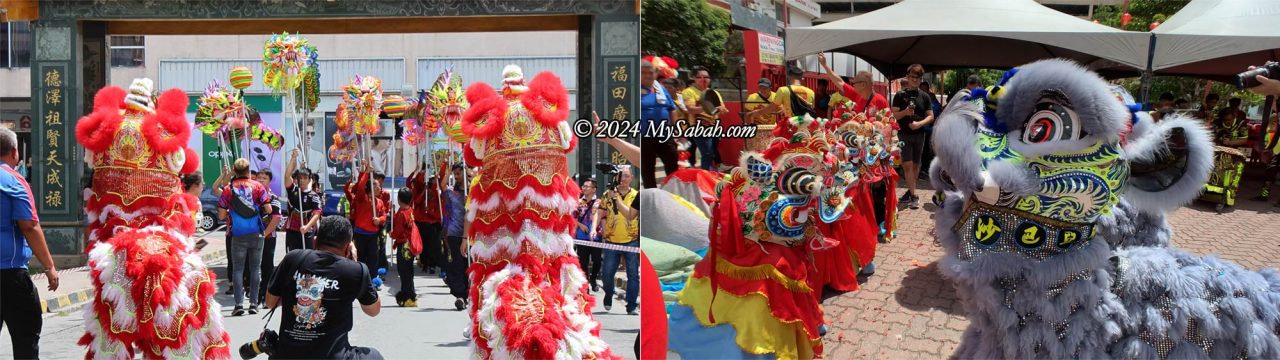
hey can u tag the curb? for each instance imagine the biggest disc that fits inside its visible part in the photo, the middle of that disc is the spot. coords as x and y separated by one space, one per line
74 299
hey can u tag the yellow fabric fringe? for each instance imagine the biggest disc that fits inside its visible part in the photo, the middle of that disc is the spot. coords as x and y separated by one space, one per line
758 332
760 272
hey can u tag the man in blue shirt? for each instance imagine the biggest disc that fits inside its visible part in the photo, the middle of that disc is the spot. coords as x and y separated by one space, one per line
20 238
656 108
455 217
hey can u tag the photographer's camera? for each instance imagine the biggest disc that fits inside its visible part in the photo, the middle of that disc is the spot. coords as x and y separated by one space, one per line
265 343
1249 79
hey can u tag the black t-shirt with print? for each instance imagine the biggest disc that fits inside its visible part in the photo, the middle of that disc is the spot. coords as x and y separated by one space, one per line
902 100
315 302
310 202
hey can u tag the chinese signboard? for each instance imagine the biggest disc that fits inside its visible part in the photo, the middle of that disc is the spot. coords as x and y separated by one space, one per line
53 177
771 49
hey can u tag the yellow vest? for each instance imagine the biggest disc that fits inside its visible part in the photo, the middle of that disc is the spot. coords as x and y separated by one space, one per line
616 227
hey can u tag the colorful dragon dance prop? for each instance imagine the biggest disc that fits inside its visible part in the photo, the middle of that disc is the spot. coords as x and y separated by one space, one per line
223 115
531 298
356 118
447 103
286 61
751 295
1054 231
871 145
152 293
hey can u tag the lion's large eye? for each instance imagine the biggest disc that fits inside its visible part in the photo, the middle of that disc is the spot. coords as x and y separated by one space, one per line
1041 130
1053 120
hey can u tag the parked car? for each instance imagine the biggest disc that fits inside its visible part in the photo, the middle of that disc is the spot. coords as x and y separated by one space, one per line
208 211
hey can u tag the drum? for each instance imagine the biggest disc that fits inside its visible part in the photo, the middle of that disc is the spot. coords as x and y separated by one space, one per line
764 136
1224 181
711 103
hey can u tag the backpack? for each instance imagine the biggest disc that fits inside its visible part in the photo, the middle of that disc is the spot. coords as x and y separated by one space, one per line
798 106
245 215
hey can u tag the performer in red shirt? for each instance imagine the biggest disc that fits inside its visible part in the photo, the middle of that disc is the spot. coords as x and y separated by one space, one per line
426 212
367 214
865 100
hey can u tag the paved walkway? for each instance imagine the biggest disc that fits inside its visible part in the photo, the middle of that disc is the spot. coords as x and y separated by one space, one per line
908 311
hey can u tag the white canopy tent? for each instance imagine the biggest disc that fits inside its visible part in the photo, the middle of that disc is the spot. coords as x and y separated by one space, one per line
971 33
1217 39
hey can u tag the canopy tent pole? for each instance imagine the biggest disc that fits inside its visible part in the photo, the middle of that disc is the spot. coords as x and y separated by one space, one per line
1147 74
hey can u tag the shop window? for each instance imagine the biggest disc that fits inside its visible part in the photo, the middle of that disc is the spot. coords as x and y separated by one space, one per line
128 51
15 44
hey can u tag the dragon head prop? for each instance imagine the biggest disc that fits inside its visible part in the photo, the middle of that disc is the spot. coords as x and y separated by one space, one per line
445 104
802 178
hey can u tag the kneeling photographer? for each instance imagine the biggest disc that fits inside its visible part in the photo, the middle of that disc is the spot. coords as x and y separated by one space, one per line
621 227
316 288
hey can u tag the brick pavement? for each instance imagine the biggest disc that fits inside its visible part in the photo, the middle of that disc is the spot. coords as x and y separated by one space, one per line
908 311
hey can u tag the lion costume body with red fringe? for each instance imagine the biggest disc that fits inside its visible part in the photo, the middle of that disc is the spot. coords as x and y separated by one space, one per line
152 293
531 298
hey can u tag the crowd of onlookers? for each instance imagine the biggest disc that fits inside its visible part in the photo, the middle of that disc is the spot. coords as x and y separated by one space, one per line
1231 127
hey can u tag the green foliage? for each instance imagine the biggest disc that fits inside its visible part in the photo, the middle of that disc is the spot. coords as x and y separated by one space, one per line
957 79
1191 89
1143 11
690 31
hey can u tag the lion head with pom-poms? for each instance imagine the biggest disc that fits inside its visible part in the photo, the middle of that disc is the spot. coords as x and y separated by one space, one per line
524 117
137 146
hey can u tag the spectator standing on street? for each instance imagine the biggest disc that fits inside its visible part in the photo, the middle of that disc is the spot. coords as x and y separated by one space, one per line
455 218
587 227
271 221
914 111
220 186
316 288
242 205
657 109
20 238
622 227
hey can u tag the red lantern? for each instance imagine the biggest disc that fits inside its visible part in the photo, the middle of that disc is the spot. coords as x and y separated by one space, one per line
1154 25
1125 19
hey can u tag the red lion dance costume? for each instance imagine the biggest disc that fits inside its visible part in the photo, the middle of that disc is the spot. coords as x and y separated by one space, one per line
531 297
152 292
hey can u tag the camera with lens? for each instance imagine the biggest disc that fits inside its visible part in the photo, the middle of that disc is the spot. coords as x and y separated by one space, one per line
612 172
1249 78
265 343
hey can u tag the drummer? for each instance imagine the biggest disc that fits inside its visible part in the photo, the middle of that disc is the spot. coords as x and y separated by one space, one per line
781 101
699 113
